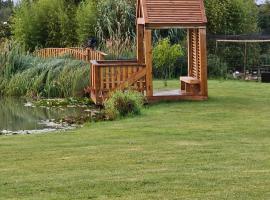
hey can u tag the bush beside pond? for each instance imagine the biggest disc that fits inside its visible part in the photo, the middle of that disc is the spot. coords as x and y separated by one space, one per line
122 104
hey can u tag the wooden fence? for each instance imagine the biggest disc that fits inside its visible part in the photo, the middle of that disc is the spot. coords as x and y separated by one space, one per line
84 54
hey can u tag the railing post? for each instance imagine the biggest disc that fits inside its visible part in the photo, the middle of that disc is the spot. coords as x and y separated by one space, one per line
101 56
97 82
148 62
87 53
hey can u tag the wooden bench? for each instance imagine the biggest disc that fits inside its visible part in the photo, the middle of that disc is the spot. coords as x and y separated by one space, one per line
190 85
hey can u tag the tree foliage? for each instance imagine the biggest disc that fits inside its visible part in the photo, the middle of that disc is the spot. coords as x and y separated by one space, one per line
264 17
165 57
86 20
5 13
44 23
231 16
5 10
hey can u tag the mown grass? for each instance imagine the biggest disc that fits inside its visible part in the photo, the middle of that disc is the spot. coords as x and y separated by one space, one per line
216 149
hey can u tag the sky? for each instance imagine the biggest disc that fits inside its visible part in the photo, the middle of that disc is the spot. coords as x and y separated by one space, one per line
260 1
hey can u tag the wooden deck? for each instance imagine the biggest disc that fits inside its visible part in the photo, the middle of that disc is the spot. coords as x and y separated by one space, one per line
173 92
173 95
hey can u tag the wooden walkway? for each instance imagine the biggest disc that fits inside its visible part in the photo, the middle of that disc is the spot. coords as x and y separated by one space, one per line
84 54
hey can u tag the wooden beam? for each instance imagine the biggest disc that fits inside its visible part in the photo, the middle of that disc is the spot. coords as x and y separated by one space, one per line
140 21
152 26
140 45
148 62
144 10
154 99
135 77
243 41
203 61
138 5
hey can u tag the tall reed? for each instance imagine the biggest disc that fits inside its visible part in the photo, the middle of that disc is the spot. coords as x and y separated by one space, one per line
22 74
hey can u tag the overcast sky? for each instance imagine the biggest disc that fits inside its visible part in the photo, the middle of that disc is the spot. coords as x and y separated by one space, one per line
260 1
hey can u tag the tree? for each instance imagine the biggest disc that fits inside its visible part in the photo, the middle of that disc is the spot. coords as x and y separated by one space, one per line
231 16
45 23
86 18
5 10
264 17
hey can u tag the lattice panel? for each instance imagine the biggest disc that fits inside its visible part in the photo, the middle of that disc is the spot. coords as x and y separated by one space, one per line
195 65
194 54
198 55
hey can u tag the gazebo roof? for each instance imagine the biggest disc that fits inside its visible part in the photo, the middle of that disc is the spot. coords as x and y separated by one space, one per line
171 13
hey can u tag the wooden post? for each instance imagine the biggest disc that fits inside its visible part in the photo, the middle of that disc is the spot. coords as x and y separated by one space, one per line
87 52
203 57
245 61
140 45
189 43
97 82
148 62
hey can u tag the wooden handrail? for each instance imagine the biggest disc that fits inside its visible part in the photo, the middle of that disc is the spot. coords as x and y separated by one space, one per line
94 62
102 53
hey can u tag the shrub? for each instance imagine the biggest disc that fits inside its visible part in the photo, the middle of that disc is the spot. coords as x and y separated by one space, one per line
165 58
121 104
265 59
216 67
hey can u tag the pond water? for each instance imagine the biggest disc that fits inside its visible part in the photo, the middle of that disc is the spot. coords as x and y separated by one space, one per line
17 116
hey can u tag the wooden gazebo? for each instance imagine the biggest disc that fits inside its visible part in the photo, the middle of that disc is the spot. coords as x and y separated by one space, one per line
108 76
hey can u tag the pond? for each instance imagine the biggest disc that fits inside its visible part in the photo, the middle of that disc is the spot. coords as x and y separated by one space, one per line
17 116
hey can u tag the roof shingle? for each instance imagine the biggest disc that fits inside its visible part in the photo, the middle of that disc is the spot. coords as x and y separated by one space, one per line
173 12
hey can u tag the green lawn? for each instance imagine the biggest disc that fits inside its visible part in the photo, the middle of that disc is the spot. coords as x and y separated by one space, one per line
216 149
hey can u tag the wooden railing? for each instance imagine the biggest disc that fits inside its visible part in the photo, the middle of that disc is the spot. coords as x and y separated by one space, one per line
108 76
84 54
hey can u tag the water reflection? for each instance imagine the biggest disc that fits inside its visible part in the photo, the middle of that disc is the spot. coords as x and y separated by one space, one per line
15 116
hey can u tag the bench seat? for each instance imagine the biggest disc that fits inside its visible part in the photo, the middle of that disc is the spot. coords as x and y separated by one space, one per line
190 85
189 80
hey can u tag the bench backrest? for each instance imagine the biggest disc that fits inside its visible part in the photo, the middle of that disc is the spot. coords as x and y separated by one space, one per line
195 54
